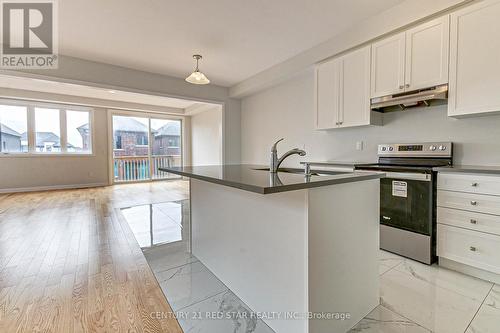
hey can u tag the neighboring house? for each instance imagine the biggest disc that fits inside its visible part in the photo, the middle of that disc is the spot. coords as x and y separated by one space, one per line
168 139
45 142
84 131
130 137
10 140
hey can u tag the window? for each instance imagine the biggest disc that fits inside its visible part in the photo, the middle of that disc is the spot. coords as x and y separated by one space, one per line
47 130
173 142
32 127
118 142
142 140
13 129
78 132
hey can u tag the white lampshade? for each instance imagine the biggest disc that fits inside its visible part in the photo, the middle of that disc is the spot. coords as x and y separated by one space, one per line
197 77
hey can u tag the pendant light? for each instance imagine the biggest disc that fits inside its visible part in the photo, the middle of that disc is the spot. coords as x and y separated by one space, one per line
197 77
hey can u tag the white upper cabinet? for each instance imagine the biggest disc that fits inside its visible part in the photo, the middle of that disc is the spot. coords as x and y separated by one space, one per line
388 65
355 88
343 91
411 60
474 60
327 97
427 51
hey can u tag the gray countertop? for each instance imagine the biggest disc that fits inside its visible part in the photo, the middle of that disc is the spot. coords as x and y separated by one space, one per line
470 169
246 177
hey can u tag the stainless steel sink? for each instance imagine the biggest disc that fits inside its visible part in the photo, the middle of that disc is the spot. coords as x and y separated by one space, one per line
287 170
301 171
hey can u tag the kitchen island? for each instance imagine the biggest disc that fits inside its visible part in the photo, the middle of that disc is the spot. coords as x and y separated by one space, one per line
301 251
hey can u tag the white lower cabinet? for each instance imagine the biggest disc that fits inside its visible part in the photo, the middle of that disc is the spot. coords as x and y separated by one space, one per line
469 220
470 183
473 248
468 217
480 203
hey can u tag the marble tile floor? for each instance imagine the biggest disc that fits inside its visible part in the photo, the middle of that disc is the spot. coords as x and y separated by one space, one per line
158 223
415 298
418 298
162 231
193 291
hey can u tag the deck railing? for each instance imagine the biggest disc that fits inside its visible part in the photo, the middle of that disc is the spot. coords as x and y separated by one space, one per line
164 161
135 168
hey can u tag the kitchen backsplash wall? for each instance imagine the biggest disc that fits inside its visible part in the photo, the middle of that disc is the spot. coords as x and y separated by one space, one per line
287 111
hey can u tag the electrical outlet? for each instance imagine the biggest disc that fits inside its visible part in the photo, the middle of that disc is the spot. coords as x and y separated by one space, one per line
359 145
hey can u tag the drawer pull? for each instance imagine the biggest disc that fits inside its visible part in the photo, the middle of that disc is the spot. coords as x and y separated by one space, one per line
474 184
472 221
473 203
473 249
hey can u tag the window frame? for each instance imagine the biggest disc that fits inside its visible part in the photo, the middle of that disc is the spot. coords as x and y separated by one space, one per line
31 128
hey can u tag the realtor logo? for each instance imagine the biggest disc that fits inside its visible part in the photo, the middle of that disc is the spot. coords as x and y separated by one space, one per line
29 34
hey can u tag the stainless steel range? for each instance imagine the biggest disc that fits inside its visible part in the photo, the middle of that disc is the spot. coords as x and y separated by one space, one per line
408 197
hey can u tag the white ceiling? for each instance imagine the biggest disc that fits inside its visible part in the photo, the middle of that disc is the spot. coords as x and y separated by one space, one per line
237 38
70 89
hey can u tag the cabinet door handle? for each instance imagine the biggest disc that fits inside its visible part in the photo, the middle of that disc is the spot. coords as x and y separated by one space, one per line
401 87
473 203
472 221
474 184
473 248
407 85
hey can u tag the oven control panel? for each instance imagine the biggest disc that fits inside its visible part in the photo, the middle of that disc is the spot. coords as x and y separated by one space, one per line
438 149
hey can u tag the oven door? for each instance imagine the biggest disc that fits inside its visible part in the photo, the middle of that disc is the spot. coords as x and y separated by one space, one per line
406 201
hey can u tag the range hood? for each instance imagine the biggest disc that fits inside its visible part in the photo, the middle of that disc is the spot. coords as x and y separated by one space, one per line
402 101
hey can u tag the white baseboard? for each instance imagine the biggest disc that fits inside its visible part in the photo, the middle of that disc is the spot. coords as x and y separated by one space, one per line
50 187
469 270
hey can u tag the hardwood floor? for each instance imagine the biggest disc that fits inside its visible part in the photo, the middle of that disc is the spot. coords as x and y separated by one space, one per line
69 262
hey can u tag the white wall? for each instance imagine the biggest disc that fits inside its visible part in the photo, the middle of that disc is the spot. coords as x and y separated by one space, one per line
206 137
287 111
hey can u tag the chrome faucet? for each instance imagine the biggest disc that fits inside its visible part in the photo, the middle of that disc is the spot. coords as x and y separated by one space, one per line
276 162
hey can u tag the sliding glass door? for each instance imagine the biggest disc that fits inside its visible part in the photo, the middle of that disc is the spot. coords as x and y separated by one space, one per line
143 144
166 146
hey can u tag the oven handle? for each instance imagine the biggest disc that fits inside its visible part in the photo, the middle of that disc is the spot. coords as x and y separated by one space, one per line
426 177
